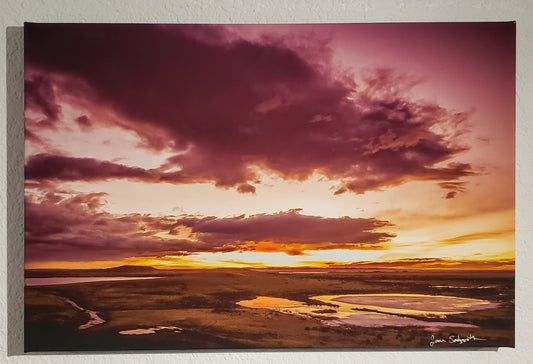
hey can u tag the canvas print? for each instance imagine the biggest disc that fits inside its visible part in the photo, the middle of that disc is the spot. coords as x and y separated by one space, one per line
194 187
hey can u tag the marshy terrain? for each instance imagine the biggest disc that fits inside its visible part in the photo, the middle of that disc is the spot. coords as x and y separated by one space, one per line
242 308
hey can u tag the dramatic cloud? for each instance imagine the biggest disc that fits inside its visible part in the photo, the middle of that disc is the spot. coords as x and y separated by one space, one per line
46 166
60 227
229 107
290 232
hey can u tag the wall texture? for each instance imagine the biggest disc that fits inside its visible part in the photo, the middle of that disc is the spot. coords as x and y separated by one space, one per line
13 13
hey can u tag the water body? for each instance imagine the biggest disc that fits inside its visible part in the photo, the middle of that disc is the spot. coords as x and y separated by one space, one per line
94 318
150 330
48 281
375 310
409 304
465 287
300 272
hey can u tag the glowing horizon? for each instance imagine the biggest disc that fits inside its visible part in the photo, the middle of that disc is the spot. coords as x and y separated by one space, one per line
166 263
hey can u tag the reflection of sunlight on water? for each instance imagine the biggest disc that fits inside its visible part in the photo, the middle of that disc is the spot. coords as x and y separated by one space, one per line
287 306
150 330
408 304
465 287
94 318
387 308
271 302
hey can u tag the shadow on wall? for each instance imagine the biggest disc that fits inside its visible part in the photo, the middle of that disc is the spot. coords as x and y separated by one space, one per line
15 189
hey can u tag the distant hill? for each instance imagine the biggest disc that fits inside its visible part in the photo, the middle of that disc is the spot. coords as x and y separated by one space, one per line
123 270
131 269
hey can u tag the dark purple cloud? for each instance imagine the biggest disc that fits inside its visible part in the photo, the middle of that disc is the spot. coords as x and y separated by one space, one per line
39 95
29 135
84 122
290 228
229 106
47 166
76 228
245 188
50 167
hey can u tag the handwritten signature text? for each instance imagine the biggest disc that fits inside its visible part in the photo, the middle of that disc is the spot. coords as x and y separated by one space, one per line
453 339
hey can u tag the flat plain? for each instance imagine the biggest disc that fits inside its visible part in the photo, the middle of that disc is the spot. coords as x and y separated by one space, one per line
198 309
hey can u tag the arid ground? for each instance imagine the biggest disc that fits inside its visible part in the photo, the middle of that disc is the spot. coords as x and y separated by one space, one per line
197 309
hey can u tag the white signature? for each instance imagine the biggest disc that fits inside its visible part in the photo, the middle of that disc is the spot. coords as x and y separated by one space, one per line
452 339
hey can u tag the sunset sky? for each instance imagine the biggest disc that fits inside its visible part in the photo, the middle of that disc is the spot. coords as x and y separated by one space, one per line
332 145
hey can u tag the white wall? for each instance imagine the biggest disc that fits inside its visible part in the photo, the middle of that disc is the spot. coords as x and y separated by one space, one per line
13 13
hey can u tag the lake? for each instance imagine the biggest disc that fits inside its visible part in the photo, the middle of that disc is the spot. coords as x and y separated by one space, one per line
408 304
376 310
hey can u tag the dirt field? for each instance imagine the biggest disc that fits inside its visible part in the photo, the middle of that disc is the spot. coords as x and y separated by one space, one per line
202 303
